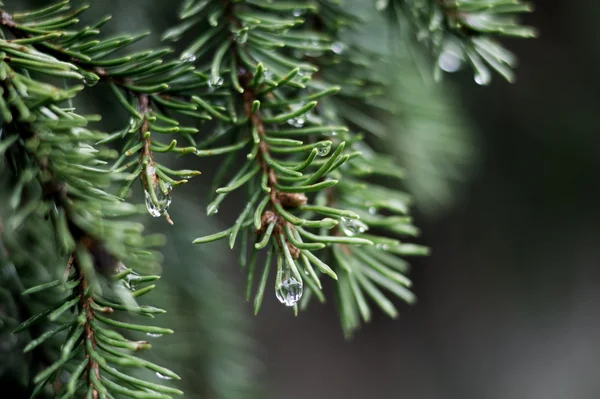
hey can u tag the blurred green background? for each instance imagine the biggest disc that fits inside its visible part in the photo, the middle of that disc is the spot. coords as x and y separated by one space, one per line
509 299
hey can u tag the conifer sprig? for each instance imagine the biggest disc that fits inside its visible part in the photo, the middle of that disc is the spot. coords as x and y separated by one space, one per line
465 31
147 85
56 176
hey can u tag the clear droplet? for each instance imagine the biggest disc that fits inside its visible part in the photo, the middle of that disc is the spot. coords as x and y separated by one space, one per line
163 377
187 57
483 77
452 57
449 61
381 4
215 82
289 291
297 12
213 21
164 200
337 47
296 122
268 74
372 210
241 36
352 227
382 246
130 280
90 80
154 335
323 150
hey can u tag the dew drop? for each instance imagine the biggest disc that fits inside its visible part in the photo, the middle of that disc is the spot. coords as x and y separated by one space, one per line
296 122
449 61
213 22
187 57
164 200
381 4
483 77
323 150
297 12
90 80
337 47
163 377
215 82
352 227
154 335
241 36
289 291
372 210
382 246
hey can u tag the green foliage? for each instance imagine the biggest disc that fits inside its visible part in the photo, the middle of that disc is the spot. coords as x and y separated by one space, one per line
458 31
298 116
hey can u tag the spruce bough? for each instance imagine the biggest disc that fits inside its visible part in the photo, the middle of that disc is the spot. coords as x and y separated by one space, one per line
297 116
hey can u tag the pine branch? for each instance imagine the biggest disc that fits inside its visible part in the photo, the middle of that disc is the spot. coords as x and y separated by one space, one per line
56 173
464 31
138 78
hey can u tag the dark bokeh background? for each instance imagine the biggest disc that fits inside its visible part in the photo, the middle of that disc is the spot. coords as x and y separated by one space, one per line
509 301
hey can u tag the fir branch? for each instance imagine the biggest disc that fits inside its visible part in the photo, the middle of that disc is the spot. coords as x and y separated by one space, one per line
463 31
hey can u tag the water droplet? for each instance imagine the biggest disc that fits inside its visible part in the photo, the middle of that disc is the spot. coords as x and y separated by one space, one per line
241 36
289 291
449 61
381 4
351 227
297 12
154 335
483 77
452 57
213 22
372 210
323 149
90 80
268 74
163 377
296 122
215 82
164 200
337 47
187 57
382 246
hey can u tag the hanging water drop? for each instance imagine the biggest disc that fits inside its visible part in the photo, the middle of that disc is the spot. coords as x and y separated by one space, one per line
372 210
296 122
449 61
297 12
384 247
381 4
289 291
323 149
163 377
351 227
452 57
215 82
241 36
154 335
89 79
187 57
337 47
164 200
483 77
